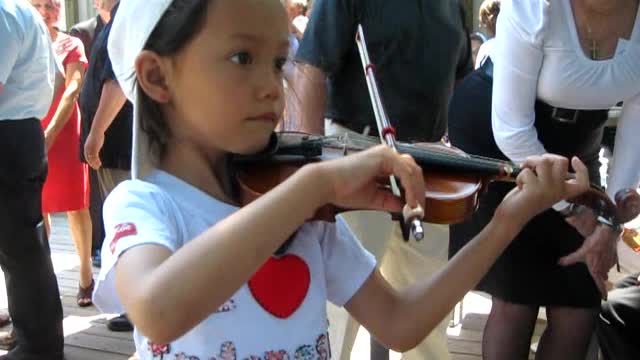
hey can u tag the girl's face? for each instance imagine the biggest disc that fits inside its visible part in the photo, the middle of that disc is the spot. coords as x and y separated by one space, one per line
226 86
49 10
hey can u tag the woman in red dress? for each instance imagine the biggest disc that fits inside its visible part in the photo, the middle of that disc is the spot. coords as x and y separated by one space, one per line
67 186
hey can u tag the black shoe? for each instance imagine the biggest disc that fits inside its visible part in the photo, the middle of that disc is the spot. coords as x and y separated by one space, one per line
96 260
119 323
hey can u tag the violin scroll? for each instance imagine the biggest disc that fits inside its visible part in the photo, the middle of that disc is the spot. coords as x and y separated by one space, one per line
628 204
625 208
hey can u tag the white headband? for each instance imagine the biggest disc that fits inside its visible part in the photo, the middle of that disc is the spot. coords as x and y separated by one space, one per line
131 28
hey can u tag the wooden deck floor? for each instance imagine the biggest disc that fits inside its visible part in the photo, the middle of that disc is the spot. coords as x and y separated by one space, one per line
87 338
86 334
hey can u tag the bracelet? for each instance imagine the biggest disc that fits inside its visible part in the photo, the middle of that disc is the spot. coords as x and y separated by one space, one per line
616 227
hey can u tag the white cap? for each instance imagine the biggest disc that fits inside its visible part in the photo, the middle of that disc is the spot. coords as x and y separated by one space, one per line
131 28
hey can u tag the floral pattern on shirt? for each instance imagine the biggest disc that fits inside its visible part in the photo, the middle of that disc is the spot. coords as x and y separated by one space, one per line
227 307
320 351
159 350
183 356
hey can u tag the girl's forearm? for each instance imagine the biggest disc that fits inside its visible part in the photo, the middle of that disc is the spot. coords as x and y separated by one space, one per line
422 306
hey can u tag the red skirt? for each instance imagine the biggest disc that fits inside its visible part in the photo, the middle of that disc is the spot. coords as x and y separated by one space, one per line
67 185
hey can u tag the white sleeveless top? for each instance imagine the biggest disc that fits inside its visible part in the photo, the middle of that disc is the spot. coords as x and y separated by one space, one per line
537 55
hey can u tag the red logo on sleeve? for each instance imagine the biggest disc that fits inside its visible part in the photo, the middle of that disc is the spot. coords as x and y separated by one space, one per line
122 230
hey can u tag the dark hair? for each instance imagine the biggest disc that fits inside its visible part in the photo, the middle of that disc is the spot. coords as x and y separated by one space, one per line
181 22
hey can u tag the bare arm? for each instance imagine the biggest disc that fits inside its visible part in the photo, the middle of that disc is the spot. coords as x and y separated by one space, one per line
111 102
205 261
402 319
73 84
406 317
58 85
310 89
151 281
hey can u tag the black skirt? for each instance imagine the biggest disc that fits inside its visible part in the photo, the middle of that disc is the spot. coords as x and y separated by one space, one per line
528 271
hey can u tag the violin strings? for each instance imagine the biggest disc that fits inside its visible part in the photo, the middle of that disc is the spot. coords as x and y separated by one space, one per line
476 162
492 166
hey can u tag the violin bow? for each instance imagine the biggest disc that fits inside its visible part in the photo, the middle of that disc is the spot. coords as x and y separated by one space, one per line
387 136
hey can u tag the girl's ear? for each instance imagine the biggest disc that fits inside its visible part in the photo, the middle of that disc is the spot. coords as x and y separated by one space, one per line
151 73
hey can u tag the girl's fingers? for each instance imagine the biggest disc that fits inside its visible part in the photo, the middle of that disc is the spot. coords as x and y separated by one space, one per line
384 200
406 171
531 162
560 168
410 175
552 170
539 168
581 182
526 177
544 171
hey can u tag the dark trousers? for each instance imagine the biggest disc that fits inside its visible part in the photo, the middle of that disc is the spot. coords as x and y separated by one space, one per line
95 209
619 323
32 289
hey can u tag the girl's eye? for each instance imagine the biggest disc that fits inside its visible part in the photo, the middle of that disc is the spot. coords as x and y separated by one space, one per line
280 63
242 58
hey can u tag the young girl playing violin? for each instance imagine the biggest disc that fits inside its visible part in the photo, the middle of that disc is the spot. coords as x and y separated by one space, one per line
197 273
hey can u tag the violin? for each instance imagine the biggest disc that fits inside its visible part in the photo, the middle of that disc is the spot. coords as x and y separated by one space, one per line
454 180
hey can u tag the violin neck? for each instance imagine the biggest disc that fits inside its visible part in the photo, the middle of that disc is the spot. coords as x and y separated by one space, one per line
465 164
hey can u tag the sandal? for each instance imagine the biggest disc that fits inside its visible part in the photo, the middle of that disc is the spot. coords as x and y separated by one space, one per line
83 299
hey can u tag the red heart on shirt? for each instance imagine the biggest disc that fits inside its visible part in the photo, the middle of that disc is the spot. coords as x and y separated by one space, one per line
281 285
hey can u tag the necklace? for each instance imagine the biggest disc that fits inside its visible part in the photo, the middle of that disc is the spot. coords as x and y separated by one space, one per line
593 48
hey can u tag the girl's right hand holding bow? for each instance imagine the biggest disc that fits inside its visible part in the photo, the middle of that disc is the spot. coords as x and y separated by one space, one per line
353 180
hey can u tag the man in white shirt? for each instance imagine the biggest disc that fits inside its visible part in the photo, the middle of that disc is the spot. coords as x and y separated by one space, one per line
27 81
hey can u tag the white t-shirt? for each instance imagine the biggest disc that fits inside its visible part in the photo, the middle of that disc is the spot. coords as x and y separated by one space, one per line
537 55
27 62
279 313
